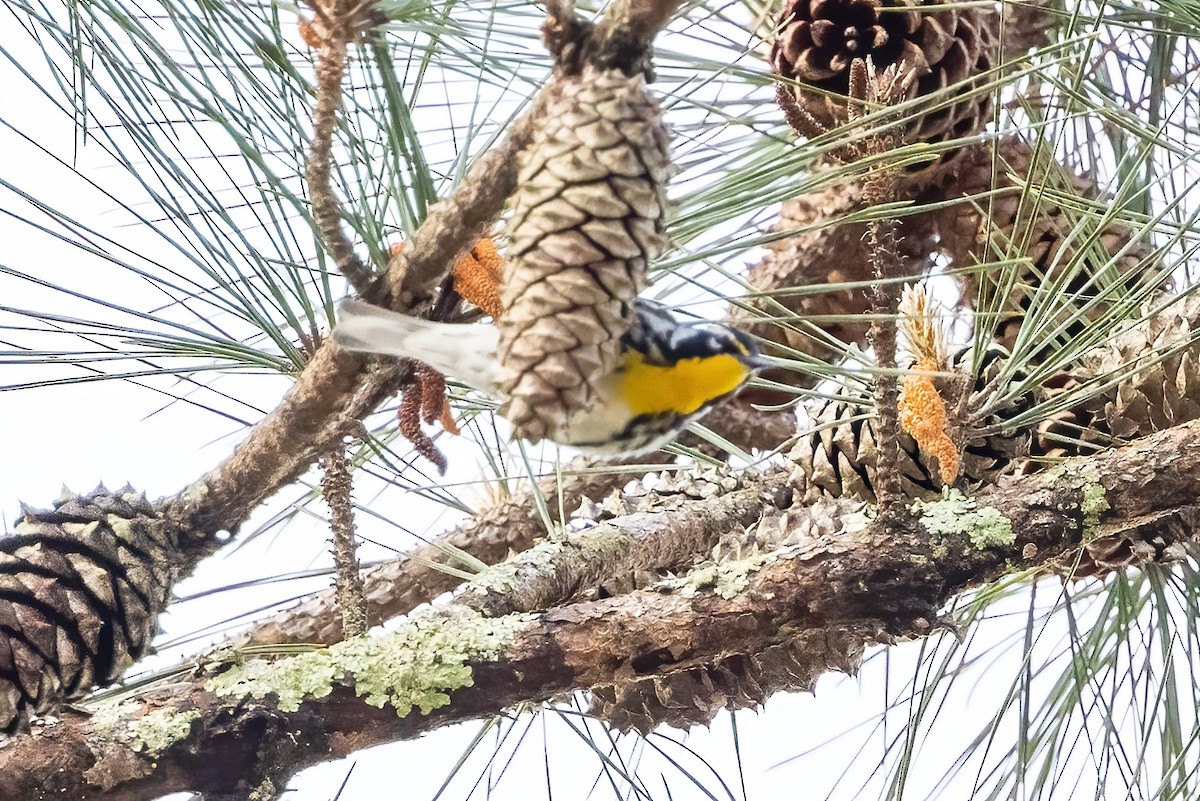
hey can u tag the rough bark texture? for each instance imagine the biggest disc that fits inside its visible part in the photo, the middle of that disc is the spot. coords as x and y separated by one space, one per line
834 592
397 587
836 458
664 534
511 526
336 485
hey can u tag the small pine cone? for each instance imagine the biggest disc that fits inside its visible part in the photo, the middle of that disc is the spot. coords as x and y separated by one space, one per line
1135 548
816 40
83 584
695 695
587 218
1160 357
837 457
1040 232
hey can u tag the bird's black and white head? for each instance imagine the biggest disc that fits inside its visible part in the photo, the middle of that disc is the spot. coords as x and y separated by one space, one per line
664 340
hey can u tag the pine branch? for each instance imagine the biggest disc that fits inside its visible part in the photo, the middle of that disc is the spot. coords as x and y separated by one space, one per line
327 398
511 526
1155 351
399 586
824 591
331 36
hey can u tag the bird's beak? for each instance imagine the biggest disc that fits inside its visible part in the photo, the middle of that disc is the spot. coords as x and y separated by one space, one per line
757 362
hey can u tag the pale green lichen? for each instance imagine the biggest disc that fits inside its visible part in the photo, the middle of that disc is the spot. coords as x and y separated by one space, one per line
420 665
1093 504
122 527
944 515
989 528
693 582
605 541
506 576
1093 501
416 666
726 579
290 680
955 513
151 733
734 577
156 731
855 522
106 714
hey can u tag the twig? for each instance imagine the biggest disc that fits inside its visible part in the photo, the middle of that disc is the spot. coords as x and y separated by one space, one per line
882 185
622 39
336 484
456 223
330 36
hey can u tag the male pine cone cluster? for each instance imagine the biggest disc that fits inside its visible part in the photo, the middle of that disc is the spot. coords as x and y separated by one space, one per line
587 218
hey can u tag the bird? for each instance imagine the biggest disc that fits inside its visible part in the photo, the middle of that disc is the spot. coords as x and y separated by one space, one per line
670 372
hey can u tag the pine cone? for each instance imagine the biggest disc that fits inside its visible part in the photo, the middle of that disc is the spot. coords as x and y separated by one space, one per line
1160 359
837 457
1038 231
587 217
816 41
83 585
695 695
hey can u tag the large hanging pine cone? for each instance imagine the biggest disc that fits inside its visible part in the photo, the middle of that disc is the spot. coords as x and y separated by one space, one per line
83 585
816 41
837 457
587 217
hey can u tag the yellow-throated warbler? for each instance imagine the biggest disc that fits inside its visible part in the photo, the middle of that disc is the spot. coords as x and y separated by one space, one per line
671 372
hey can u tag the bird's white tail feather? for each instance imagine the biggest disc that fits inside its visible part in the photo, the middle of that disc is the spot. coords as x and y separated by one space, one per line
465 352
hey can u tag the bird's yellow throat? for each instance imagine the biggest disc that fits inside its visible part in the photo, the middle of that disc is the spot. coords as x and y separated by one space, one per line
683 387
